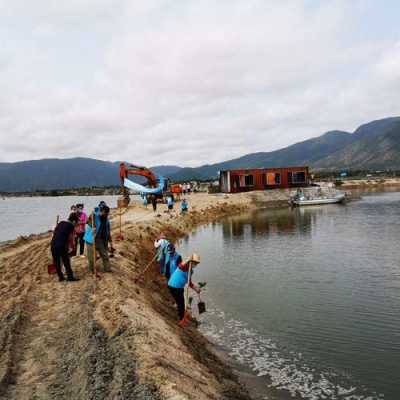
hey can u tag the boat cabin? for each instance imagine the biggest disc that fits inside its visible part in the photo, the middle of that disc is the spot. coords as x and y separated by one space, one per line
246 180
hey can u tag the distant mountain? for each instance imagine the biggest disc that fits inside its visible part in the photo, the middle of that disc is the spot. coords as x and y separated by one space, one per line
375 145
165 170
55 173
303 153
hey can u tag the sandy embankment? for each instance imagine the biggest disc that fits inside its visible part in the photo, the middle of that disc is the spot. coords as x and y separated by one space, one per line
109 338
370 183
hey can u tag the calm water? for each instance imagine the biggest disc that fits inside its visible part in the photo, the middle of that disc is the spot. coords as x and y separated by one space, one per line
27 215
308 299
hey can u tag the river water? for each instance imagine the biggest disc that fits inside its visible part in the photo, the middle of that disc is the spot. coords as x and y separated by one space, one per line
308 299
27 215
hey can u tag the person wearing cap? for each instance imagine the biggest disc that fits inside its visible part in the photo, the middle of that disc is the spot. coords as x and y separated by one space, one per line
62 240
161 245
172 261
178 281
102 237
80 229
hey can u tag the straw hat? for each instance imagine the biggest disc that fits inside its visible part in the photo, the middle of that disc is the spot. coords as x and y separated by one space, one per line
195 258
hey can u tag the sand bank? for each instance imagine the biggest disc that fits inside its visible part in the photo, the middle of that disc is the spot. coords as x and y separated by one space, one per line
110 338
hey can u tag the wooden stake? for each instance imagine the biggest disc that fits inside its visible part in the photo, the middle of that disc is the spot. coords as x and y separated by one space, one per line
186 318
94 245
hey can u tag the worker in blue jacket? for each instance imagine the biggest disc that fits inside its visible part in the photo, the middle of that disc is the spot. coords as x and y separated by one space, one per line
102 237
184 206
172 261
178 281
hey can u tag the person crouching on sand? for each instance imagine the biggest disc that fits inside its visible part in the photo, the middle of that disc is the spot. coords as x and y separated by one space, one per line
102 237
178 281
184 206
63 238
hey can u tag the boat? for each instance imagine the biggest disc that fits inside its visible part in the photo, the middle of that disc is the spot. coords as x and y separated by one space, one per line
310 198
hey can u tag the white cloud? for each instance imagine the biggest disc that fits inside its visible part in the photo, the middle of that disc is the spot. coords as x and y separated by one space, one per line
186 82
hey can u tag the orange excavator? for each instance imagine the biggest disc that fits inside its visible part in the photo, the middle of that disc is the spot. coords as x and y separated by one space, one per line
126 170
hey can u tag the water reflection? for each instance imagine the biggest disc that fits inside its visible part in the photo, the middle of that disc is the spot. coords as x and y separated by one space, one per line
278 222
307 292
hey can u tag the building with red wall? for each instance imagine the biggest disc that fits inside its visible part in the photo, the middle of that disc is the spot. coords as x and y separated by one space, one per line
246 180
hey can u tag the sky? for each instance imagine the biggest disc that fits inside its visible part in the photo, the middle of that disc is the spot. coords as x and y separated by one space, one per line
187 82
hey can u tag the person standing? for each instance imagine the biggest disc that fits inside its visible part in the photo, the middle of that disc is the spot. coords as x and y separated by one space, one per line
170 203
154 202
63 238
80 229
177 282
101 239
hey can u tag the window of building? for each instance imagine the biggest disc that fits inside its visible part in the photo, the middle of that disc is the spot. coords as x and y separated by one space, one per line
273 178
249 180
299 177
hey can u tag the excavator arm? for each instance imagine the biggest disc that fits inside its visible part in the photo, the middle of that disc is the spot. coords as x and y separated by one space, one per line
126 170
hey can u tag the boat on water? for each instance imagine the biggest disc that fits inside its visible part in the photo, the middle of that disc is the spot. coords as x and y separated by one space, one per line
310 198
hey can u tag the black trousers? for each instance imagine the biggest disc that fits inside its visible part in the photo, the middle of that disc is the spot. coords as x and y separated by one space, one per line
179 297
60 255
79 239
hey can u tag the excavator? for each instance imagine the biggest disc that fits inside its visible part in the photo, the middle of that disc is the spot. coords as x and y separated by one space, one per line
157 186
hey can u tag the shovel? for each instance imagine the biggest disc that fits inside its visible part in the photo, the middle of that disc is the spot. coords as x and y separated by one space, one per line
140 275
186 317
95 273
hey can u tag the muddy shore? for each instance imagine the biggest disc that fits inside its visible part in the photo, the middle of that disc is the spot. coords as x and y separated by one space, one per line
111 338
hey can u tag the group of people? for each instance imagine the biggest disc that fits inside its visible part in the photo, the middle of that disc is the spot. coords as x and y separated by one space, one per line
170 203
188 188
93 232
178 273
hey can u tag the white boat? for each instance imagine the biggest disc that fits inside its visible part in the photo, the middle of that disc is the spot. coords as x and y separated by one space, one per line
309 198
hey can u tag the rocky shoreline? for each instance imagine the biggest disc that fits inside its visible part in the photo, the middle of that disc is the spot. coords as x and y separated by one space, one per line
111 338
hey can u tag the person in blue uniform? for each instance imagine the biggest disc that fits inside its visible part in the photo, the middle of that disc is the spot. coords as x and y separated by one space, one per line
178 281
172 261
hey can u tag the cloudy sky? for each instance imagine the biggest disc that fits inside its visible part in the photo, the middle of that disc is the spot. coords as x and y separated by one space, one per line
190 82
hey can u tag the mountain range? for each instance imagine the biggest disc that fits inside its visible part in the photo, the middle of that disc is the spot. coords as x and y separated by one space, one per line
374 145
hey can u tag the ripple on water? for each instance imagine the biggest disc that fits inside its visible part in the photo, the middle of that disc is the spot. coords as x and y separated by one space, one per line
287 371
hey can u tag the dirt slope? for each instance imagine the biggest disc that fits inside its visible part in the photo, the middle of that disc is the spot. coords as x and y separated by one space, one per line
107 338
